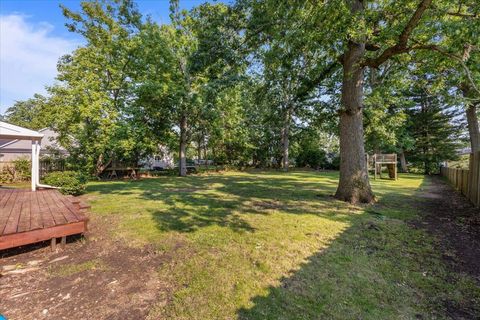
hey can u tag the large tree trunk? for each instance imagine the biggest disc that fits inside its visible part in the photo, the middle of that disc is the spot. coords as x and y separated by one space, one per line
354 185
286 139
403 162
473 130
471 113
182 165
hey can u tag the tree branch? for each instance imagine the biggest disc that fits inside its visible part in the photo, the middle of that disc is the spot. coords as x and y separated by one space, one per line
307 86
401 45
460 59
463 15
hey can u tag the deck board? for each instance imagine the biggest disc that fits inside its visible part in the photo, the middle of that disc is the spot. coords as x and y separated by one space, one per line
69 211
4 198
35 215
24 218
47 217
12 222
57 214
7 210
28 217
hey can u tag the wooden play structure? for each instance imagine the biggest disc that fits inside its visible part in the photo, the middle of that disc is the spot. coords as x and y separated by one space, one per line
378 160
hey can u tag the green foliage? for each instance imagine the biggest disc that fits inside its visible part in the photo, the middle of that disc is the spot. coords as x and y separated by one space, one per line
22 167
19 170
31 113
430 124
69 182
247 74
312 157
90 105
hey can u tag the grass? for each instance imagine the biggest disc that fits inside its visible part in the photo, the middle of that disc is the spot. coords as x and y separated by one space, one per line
17 185
271 245
74 268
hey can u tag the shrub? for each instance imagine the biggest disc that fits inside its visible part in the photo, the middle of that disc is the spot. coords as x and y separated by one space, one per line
314 158
69 182
16 171
21 169
5 176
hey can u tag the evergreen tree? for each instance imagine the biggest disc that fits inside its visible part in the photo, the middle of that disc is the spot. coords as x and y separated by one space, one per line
435 136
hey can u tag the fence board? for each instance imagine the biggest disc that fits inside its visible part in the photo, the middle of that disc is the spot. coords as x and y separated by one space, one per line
466 181
477 183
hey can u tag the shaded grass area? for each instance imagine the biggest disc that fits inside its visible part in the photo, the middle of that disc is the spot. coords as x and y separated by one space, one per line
271 245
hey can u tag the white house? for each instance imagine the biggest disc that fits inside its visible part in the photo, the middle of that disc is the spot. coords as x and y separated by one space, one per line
12 149
160 160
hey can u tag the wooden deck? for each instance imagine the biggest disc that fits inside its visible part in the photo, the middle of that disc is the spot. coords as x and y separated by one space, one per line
28 217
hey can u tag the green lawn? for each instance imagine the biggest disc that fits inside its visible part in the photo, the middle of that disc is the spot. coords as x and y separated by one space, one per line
271 245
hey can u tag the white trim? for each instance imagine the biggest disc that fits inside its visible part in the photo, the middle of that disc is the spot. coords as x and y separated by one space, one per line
9 143
10 131
33 176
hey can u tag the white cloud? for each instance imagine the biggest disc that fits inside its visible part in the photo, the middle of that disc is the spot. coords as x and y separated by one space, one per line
28 57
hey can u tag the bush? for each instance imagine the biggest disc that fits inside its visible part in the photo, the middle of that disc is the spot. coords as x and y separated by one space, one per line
18 170
69 182
314 158
21 169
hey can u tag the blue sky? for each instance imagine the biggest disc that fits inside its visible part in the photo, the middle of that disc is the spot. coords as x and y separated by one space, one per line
33 36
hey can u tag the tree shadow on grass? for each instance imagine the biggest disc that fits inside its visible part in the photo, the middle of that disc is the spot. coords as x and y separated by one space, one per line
379 268
187 204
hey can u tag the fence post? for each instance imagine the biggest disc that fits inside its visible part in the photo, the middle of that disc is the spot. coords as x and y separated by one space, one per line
477 185
474 180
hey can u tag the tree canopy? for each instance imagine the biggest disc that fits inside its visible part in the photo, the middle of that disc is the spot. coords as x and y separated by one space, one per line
268 83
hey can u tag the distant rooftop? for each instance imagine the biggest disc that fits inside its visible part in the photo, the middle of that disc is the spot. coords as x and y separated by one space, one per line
463 151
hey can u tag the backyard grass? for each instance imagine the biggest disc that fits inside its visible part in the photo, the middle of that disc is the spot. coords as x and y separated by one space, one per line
271 245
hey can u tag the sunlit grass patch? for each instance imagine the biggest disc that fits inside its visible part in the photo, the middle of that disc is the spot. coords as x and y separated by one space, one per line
274 245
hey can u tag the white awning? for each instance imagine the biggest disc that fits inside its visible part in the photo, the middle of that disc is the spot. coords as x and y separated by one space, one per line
10 132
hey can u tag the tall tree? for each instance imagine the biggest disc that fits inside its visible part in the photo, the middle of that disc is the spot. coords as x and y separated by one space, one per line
30 113
430 125
95 82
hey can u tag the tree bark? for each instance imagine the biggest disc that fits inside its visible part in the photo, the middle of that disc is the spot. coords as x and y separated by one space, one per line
286 139
471 114
199 150
354 185
205 153
182 165
101 166
403 162
473 130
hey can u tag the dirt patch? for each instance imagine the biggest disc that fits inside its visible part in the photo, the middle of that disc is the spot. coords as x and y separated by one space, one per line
455 223
93 279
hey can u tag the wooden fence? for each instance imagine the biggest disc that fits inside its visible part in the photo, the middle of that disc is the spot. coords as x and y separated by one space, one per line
466 181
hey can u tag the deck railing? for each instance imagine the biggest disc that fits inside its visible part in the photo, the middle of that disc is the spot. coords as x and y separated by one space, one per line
466 181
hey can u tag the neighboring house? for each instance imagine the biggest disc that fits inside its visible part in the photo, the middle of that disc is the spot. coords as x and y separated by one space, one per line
464 151
14 149
160 160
